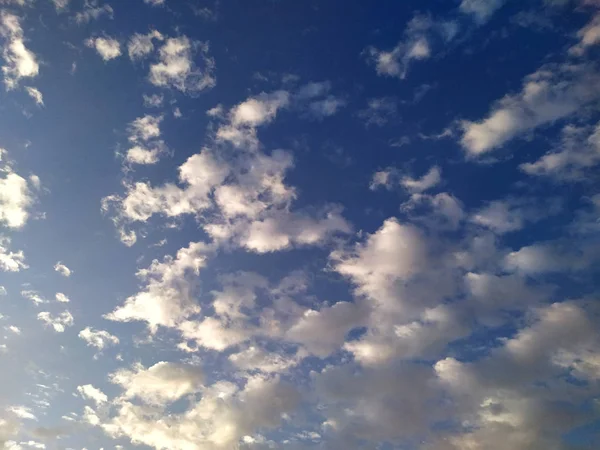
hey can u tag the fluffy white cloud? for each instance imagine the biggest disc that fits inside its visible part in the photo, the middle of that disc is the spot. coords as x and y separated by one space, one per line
107 47
154 2
90 392
168 297
99 339
415 46
20 62
60 4
176 68
259 110
481 10
589 36
255 358
164 382
93 11
141 45
59 322
10 261
417 185
36 95
551 93
22 412
62 298
62 269
15 198
153 101
33 296
575 155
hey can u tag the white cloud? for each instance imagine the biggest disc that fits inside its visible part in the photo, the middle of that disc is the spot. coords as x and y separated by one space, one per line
36 95
22 412
326 107
415 46
33 296
379 111
145 128
176 68
107 47
154 2
255 358
168 297
589 36
15 199
577 152
11 261
61 4
58 322
19 61
14 329
153 101
62 298
432 178
89 392
259 110
141 155
481 10
2 290
552 93
62 269
93 11
99 339
141 45
164 382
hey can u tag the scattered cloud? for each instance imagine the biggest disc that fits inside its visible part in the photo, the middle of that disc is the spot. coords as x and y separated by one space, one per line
11 261
379 111
480 10
62 298
92 10
108 48
19 61
142 45
100 339
62 269
58 322
36 95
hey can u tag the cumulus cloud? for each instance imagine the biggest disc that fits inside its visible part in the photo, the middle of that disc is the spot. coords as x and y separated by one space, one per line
550 94
164 382
168 296
92 10
142 45
33 296
572 159
62 298
432 178
62 269
60 5
19 61
176 68
100 339
11 261
89 392
36 95
589 36
415 46
480 10
58 322
154 2
107 47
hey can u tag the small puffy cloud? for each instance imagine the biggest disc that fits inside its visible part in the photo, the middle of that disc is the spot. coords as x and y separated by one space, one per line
62 298
481 10
141 45
145 128
108 48
59 322
589 36
259 110
15 198
99 339
60 5
168 296
153 101
176 68
326 107
33 296
552 93
2 290
160 383
93 11
22 412
62 269
415 46
417 185
576 154
36 95
89 392
10 261
14 329
154 2
141 155
19 61
256 358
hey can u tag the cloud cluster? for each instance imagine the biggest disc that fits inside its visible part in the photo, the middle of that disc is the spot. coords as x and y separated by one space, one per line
20 62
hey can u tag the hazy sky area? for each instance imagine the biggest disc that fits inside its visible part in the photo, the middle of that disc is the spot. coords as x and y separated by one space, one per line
300 224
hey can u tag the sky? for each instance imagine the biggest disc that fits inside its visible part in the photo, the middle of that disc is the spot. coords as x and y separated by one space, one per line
300 225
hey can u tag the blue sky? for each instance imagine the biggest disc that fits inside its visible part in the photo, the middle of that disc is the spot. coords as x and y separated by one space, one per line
256 225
